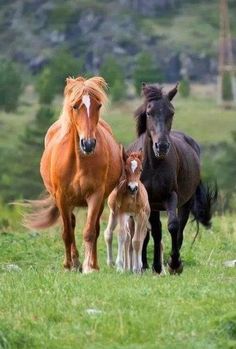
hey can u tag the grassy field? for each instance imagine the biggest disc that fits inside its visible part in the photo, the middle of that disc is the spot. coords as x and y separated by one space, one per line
41 306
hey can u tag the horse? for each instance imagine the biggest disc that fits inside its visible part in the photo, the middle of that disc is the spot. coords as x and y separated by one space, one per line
80 166
171 175
128 199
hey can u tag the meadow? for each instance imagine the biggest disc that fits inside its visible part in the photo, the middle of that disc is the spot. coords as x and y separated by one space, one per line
41 306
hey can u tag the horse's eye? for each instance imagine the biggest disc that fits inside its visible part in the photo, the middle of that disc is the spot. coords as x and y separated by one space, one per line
148 115
75 107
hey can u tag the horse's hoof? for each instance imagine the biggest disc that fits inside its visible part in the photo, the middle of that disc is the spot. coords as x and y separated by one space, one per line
137 271
175 270
77 268
145 267
119 266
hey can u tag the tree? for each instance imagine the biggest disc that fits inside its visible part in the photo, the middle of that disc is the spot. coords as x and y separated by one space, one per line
51 81
11 85
114 76
146 71
184 88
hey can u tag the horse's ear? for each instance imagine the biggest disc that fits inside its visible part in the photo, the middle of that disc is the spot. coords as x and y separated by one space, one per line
124 155
173 92
140 155
69 80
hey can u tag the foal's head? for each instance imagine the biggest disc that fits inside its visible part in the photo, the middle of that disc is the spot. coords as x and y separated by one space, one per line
155 116
133 170
83 100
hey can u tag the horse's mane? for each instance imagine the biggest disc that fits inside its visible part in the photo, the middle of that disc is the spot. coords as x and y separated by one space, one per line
150 92
74 90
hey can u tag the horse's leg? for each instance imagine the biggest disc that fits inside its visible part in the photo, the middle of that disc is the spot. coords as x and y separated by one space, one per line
175 264
157 237
121 241
67 233
95 203
183 214
74 252
144 251
94 255
108 235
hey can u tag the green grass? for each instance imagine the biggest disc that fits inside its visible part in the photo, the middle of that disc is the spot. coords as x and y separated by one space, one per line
198 116
41 306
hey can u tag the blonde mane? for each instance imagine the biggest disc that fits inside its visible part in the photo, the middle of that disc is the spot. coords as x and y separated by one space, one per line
74 90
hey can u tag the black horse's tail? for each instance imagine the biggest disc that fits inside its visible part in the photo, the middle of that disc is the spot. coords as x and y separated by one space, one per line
204 198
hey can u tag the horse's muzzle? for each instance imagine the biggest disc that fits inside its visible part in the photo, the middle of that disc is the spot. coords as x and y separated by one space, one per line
132 187
88 145
161 149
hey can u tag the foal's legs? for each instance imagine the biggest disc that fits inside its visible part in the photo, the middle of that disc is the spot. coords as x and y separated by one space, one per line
137 242
175 264
128 253
157 237
108 235
90 234
123 219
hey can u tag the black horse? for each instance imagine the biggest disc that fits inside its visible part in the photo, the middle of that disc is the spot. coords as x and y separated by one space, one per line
171 175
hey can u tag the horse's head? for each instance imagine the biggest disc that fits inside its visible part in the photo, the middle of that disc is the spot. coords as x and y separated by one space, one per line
84 99
133 170
156 116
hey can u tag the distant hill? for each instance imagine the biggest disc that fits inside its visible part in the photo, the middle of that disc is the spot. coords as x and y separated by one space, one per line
178 34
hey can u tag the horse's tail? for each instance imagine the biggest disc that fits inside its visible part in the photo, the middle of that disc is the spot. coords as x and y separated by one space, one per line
204 198
44 213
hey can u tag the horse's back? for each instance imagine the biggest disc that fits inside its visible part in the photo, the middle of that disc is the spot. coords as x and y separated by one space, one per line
187 140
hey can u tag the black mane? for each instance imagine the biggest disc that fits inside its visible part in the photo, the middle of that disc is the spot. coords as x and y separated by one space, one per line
150 92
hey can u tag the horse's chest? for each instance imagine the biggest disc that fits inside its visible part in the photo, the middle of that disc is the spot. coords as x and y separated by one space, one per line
158 185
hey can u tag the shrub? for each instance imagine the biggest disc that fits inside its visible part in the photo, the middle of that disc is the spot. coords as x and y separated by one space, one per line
114 76
146 71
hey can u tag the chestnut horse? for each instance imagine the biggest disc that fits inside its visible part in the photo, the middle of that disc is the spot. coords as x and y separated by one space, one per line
80 166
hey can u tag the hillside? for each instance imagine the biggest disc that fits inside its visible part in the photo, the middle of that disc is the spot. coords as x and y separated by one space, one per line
178 34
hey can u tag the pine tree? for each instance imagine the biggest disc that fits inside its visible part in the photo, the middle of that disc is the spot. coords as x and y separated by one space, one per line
51 81
11 85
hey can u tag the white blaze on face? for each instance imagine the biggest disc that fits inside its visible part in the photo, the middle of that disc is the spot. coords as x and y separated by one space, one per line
86 101
134 165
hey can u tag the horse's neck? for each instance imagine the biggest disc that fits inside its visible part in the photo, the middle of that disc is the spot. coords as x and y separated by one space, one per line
149 157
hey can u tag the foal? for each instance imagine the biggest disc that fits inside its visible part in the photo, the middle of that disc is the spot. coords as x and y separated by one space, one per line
128 199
